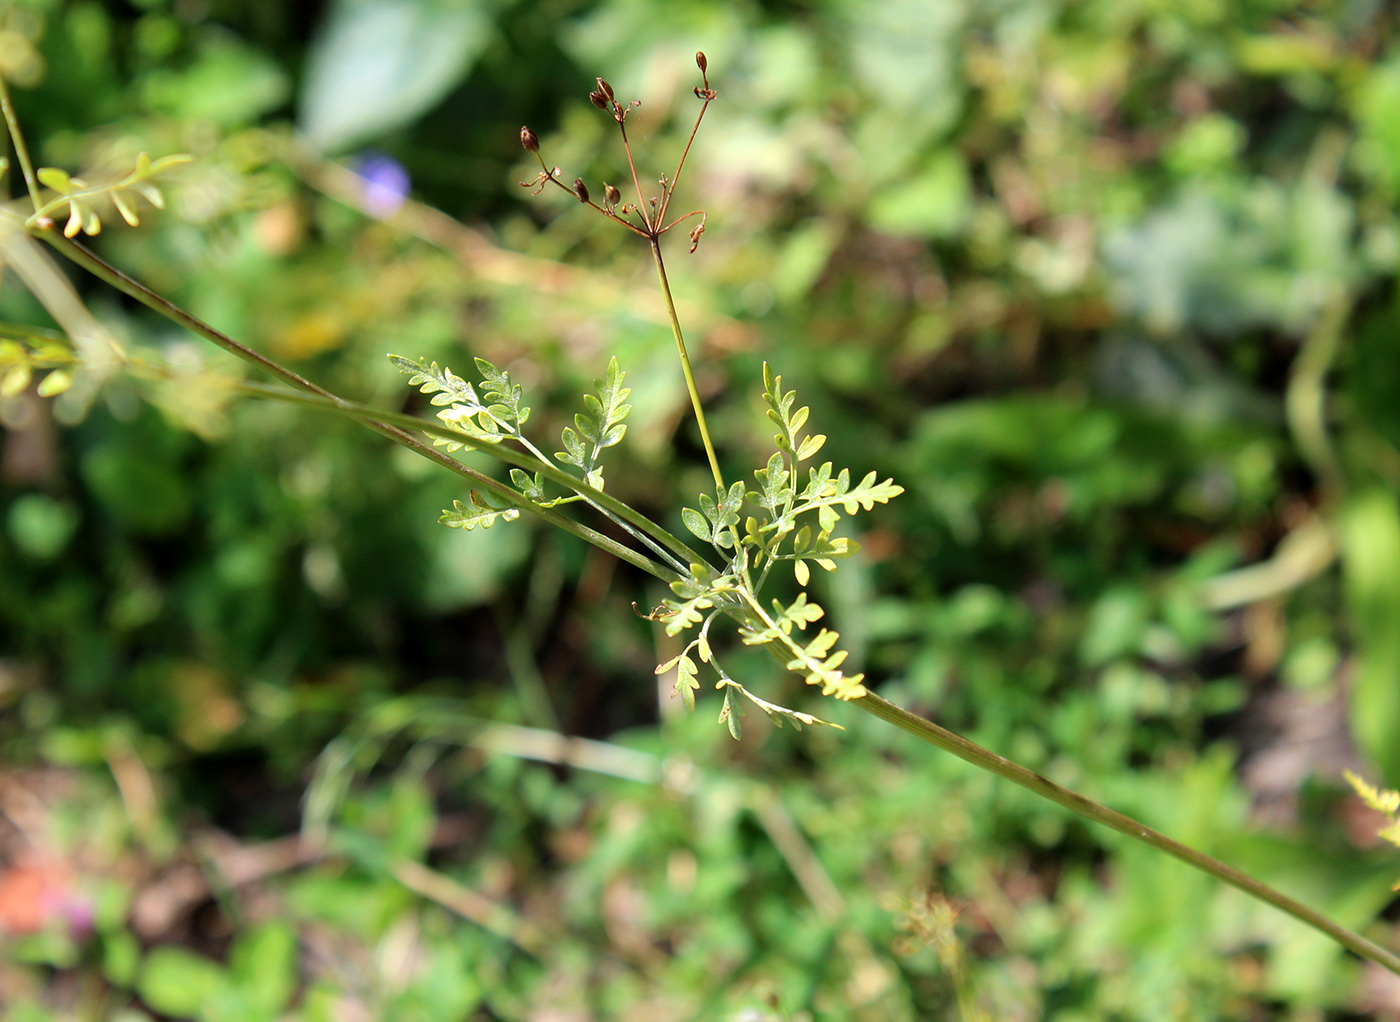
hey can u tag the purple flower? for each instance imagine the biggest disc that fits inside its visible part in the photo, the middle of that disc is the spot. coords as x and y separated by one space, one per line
384 185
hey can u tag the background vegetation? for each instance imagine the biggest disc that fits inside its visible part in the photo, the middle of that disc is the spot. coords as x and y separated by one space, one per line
1107 286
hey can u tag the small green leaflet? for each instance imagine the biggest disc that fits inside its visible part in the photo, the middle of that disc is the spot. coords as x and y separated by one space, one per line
598 427
730 714
686 680
790 422
479 512
720 516
502 397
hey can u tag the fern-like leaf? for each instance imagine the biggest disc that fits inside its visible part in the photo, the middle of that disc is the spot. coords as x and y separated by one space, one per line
825 493
78 196
480 512
445 386
599 427
821 666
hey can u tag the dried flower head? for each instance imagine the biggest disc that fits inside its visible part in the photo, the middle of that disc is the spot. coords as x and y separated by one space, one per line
647 216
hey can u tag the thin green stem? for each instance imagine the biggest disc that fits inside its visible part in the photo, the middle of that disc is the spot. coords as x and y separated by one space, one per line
21 150
975 754
685 362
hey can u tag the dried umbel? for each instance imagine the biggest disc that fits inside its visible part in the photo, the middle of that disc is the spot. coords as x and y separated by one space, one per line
646 216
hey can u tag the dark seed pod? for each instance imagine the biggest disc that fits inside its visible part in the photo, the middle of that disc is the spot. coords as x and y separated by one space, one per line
613 195
529 140
701 62
598 100
580 190
605 88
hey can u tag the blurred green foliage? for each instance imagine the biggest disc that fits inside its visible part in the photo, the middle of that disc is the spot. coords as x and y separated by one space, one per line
1107 286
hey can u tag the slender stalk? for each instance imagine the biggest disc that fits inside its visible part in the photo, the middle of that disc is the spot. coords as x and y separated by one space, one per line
21 150
374 420
685 361
1306 396
975 754
680 166
637 184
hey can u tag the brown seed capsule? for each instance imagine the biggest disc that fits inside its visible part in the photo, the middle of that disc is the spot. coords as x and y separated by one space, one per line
605 88
580 190
598 100
613 195
529 140
701 62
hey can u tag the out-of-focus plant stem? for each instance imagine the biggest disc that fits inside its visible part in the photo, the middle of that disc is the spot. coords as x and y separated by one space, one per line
949 741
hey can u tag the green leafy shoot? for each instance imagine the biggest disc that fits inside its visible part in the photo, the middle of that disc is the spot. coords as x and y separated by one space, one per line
493 411
479 512
774 532
599 427
79 196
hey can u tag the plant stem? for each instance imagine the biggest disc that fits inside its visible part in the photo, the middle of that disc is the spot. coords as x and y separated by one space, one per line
91 262
685 361
21 150
975 754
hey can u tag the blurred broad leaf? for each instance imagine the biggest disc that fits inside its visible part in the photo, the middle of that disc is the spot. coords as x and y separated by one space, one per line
264 964
932 203
1374 108
378 64
230 83
179 982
